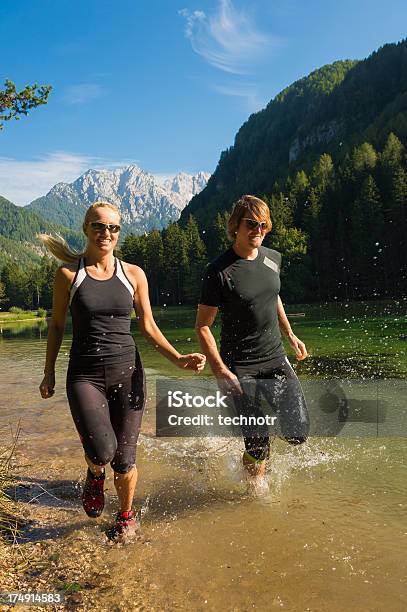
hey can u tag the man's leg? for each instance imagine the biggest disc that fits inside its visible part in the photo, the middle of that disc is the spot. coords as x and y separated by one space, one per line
255 457
283 391
254 469
256 439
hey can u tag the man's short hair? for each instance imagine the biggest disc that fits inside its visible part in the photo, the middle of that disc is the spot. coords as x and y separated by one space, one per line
248 205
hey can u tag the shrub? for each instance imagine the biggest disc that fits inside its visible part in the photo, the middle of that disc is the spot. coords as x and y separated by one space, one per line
16 310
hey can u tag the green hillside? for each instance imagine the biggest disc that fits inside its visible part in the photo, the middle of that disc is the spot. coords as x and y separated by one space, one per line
334 109
69 214
328 155
18 229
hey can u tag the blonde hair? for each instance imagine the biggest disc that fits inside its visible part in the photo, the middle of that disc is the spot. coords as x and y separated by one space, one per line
248 204
58 246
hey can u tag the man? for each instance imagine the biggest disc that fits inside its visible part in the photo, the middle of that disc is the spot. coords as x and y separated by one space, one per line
243 284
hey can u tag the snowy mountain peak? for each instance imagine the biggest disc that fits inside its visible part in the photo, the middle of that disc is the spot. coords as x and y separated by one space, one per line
145 202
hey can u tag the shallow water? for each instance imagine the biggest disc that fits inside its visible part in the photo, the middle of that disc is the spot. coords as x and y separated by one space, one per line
330 534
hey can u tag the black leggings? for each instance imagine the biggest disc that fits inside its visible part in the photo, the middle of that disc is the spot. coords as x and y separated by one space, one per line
107 403
276 383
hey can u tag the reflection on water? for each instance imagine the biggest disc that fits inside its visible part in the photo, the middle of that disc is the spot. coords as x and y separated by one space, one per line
27 329
329 534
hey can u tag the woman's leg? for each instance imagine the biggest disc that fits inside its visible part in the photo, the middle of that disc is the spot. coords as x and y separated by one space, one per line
126 396
125 487
90 412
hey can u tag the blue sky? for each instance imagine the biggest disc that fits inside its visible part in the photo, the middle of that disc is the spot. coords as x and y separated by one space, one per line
164 84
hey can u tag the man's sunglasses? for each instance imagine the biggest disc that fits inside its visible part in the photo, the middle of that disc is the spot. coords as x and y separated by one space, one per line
98 226
252 224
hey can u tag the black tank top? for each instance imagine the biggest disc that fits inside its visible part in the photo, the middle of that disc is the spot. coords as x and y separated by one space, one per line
101 313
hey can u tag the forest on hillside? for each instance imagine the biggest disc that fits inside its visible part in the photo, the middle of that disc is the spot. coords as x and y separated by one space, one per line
341 229
328 155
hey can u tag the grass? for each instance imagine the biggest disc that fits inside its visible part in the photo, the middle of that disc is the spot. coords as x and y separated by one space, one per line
9 523
7 317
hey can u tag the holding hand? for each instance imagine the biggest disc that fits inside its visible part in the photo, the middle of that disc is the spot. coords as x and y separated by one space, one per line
228 382
47 386
298 346
193 361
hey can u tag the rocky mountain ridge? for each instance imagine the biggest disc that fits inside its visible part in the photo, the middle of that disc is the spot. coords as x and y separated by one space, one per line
144 202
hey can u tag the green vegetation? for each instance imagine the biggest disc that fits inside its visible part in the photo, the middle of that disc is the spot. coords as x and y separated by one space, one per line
18 232
174 261
29 287
341 230
328 156
9 524
18 314
349 339
67 213
14 103
333 110
26 276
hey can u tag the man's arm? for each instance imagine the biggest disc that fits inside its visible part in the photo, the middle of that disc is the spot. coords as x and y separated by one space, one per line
205 317
298 346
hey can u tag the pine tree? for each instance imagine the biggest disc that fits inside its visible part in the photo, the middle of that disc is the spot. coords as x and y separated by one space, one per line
13 104
154 261
366 236
175 263
196 261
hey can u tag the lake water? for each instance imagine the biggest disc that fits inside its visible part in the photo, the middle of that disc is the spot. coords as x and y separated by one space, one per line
331 534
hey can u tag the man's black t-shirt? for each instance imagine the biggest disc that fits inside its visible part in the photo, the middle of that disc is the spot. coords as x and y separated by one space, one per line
246 292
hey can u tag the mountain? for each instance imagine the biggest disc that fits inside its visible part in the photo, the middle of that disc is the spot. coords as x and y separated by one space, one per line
144 203
18 229
334 109
183 187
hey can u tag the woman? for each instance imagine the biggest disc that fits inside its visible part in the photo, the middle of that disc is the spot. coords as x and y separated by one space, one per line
244 284
105 380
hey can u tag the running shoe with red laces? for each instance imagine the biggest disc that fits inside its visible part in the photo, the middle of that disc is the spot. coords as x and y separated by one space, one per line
93 499
125 528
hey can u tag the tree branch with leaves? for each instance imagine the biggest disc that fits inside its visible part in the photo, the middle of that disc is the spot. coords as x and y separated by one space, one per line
14 103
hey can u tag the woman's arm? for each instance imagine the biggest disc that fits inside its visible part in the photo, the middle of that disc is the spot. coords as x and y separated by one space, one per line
298 346
150 329
56 328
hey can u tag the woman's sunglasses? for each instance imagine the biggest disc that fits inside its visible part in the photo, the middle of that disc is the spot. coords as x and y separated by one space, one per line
252 224
98 226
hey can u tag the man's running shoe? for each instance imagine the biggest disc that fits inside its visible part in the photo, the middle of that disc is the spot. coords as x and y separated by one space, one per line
93 499
125 528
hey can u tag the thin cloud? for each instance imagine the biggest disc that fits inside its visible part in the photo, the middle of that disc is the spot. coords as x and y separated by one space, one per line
247 91
22 181
81 94
228 40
